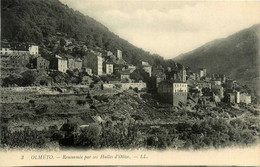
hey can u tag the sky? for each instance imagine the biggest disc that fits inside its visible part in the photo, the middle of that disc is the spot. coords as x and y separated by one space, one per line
167 27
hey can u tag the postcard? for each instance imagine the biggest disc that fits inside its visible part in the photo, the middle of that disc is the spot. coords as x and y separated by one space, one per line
130 83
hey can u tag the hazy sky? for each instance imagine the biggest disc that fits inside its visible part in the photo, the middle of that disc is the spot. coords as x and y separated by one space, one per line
170 28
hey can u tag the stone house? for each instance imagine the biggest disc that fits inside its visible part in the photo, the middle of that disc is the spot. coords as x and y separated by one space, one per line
33 50
119 54
93 61
218 91
231 98
109 68
245 98
147 68
74 63
59 63
42 64
173 92
216 82
14 61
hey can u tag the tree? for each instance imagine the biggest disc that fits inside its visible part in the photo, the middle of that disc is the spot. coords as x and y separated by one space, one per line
29 77
89 137
13 79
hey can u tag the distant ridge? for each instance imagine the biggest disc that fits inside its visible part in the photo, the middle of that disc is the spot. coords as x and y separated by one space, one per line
237 56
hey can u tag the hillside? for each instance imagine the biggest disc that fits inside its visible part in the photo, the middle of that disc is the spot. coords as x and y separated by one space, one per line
121 120
34 21
237 56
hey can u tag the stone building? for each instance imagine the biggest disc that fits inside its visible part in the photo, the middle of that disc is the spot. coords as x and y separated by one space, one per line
42 64
74 63
159 75
123 75
237 96
157 71
201 73
59 63
159 78
183 74
231 84
193 76
34 50
138 85
109 68
144 63
173 92
87 70
245 98
109 53
93 61
131 68
119 54
204 71
147 68
216 82
8 51
14 61
125 86
231 98
223 78
218 90
203 84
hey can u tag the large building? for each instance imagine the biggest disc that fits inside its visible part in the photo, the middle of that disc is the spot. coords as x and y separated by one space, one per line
5 51
59 63
14 61
42 64
125 86
93 61
173 92
33 50
8 51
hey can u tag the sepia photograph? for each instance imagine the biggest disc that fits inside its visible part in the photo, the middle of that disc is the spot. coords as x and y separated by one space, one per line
120 82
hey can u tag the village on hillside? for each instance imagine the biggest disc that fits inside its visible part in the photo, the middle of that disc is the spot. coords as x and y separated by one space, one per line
174 84
70 94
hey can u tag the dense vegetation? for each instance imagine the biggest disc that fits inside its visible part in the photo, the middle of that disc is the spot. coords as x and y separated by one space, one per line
205 133
37 21
129 122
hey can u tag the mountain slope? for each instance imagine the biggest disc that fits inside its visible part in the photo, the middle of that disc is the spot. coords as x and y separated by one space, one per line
37 20
237 56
